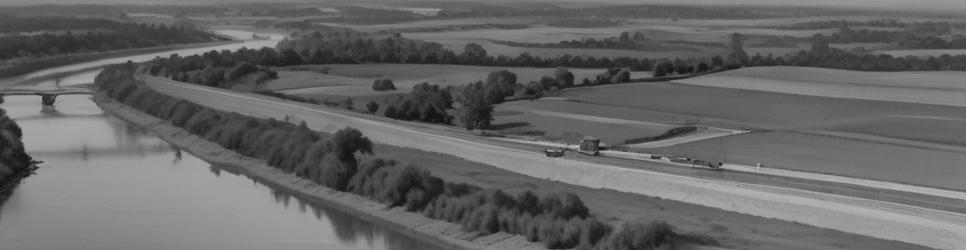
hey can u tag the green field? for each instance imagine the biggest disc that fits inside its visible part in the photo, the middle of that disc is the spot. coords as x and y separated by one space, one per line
355 80
337 82
793 131
758 110
940 88
570 121
833 155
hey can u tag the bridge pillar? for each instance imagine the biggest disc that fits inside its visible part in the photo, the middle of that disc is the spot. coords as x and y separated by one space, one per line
48 99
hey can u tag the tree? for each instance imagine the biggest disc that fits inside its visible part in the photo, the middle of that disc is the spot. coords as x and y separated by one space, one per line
383 85
624 37
681 69
702 67
668 67
347 141
289 57
431 58
372 106
622 76
820 44
476 110
717 61
738 54
473 53
605 78
660 70
499 85
501 77
348 103
336 173
564 78
390 112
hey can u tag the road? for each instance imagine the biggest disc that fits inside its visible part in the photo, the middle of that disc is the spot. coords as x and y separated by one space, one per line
917 225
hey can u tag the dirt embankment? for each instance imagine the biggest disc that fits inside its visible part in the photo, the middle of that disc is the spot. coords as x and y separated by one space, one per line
442 233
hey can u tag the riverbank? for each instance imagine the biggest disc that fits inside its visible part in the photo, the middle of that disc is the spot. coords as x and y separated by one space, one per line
15 163
441 233
9 182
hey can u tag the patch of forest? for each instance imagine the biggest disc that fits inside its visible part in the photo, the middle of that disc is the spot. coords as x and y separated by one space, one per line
356 48
223 68
105 35
559 220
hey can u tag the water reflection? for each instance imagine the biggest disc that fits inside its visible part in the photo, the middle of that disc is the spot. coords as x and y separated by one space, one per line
348 228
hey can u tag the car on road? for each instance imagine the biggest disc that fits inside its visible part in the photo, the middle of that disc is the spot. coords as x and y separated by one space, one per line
554 152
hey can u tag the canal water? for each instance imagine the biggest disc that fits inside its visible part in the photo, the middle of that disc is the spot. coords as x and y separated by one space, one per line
106 184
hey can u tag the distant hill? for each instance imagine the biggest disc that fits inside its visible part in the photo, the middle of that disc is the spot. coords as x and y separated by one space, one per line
949 7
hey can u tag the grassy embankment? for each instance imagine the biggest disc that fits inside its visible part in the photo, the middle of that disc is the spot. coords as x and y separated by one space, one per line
555 220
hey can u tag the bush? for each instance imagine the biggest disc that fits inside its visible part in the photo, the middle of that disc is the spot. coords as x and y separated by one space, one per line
637 235
348 104
372 107
660 70
383 85
564 78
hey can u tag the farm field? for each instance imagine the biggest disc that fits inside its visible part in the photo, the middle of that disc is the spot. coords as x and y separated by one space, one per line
759 110
510 51
942 130
570 121
404 76
839 156
940 88
433 23
923 52
789 128
343 81
662 30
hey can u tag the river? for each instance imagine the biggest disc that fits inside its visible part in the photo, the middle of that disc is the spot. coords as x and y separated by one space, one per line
106 184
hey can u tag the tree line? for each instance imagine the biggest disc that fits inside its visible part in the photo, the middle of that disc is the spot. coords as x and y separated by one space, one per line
352 47
888 23
111 36
625 41
13 158
224 68
824 56
556 220
15 24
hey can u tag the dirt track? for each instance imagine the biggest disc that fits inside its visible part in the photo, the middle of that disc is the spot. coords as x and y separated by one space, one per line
878 219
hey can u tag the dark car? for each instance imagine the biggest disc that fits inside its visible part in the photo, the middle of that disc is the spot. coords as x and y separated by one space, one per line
554 152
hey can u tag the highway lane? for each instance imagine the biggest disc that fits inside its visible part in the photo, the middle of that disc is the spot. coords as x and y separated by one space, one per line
917 225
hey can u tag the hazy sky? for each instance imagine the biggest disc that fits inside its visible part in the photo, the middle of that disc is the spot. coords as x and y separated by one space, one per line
942 5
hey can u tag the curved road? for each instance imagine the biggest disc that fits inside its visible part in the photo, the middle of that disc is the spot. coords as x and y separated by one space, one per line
928 227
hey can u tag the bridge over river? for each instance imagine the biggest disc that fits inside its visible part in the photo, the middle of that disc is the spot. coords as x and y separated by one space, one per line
47 96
